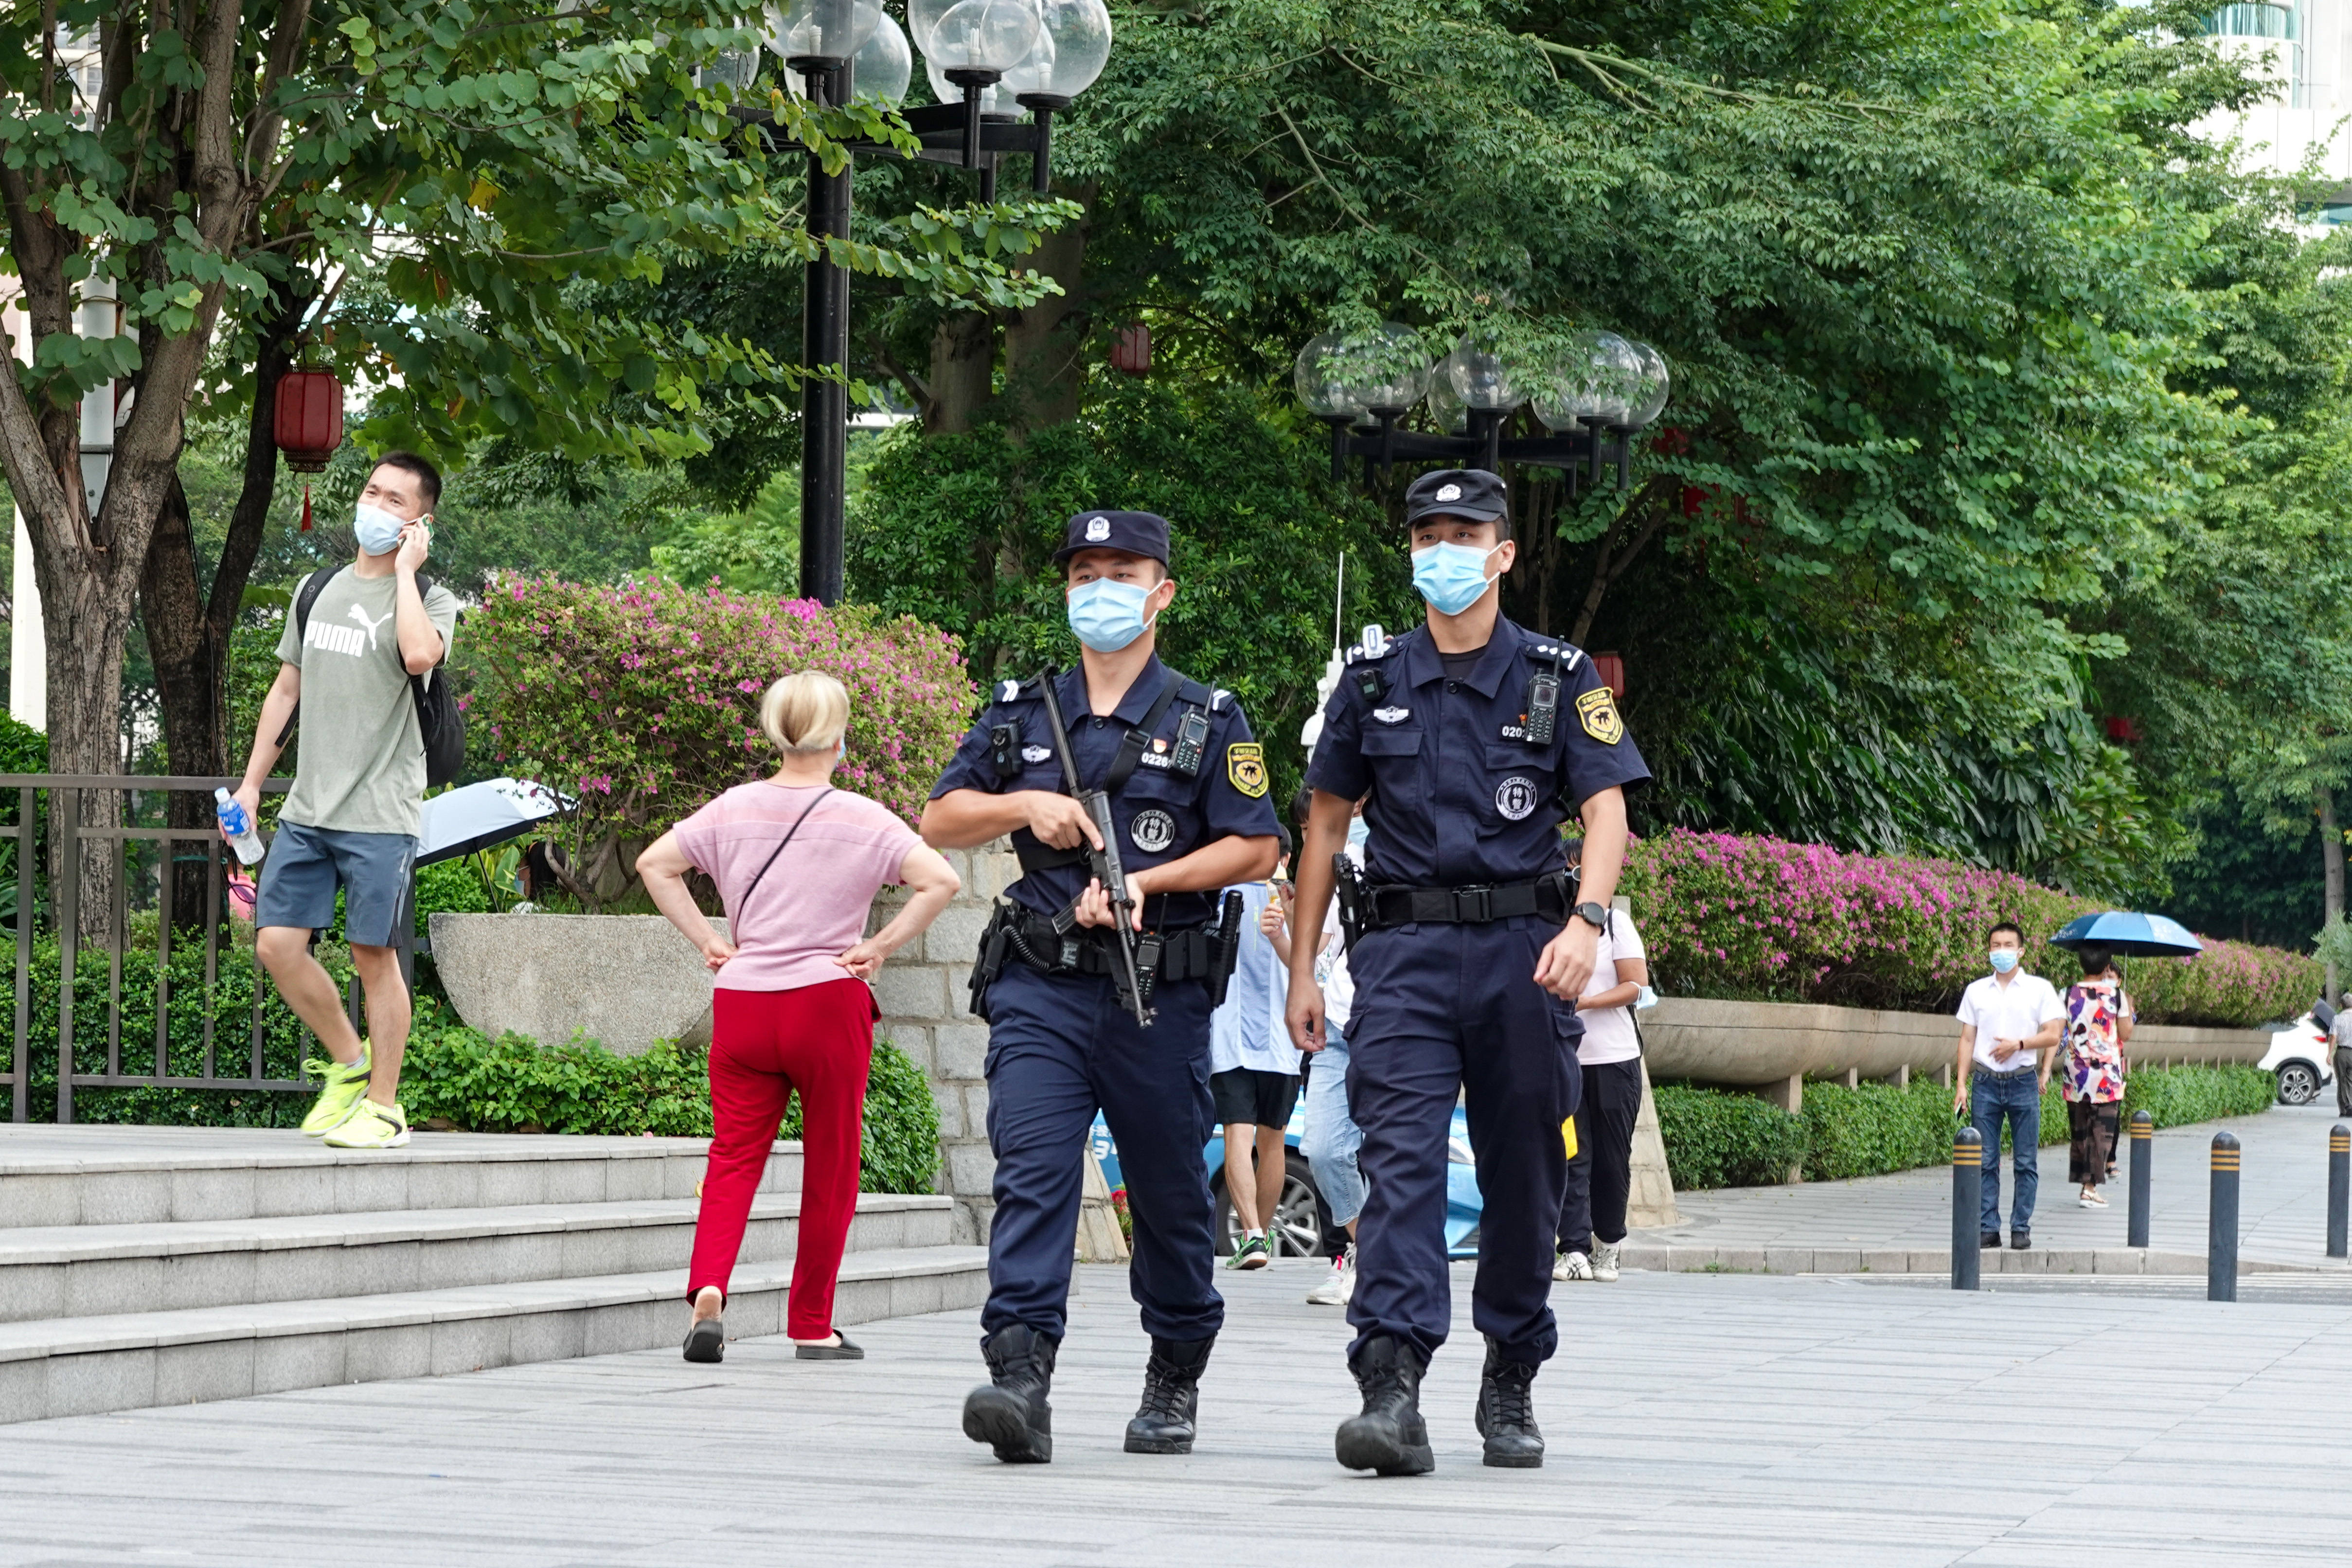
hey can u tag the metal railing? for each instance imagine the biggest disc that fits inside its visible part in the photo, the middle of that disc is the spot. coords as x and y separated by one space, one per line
104 851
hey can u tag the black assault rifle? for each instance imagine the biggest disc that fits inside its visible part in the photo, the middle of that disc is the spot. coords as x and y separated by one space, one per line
1127 977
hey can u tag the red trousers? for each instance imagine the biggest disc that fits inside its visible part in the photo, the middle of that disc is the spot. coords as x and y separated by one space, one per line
818 1040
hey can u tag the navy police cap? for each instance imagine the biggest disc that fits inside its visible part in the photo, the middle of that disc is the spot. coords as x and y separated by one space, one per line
1471 493
1137 532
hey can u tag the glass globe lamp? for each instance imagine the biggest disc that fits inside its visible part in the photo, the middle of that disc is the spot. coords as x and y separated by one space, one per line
1594 380
1073 46
1352 374
993 98
820 29
1657 383
1447 410
974 35
1481 377
878 71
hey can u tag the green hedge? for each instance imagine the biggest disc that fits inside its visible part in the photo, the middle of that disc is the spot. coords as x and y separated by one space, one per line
1722 1138
451 1075
456 1077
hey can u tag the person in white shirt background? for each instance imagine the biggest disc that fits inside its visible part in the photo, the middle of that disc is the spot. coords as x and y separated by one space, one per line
1601 1175
2009 1025
1331 1137
1253 1069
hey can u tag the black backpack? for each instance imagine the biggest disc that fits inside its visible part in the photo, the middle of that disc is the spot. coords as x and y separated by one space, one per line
437 719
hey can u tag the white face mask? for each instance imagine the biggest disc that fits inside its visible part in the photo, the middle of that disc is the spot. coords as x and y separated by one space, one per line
378 529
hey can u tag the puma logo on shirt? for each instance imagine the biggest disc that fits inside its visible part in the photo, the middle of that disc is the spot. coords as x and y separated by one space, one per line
334 638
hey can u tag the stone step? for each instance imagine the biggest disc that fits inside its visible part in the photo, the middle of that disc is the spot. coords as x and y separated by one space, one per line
73 1271
81 1175
74 1366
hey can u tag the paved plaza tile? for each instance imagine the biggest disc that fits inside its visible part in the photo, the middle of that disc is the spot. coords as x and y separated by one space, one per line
1715 1419
2283 1203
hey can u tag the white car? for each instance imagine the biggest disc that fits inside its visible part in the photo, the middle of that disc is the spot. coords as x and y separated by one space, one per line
2300 1057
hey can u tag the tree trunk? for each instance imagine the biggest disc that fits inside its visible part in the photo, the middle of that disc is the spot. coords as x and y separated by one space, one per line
963 371
2331 861
188 631
1044 368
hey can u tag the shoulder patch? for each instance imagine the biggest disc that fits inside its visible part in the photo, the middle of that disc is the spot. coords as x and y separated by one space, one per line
1245 768
1598 710
1218 698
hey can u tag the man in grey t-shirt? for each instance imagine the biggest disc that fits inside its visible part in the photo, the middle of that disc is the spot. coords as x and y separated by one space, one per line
351 821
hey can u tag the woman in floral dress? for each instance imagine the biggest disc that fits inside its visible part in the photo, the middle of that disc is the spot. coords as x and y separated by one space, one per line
2098 1024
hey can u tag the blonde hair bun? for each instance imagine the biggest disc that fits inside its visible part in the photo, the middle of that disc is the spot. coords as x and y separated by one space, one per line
805 711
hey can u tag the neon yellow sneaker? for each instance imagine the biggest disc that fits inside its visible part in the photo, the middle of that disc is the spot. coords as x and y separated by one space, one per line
343 1086
371 1126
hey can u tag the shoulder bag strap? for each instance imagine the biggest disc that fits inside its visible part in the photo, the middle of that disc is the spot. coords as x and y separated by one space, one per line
745 901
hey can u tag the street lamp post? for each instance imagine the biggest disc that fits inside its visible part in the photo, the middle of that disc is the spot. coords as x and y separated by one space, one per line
1040 53
1591 398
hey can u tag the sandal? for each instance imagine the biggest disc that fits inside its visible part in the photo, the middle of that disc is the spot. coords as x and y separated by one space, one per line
845 1350
707 1341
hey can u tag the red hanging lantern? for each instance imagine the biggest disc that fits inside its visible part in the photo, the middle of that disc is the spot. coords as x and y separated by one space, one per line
309 423
1131 351
1610 669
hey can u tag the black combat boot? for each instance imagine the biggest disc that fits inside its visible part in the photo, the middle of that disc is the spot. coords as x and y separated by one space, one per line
1506 1412
1390 1437
1009 1412
1171 1397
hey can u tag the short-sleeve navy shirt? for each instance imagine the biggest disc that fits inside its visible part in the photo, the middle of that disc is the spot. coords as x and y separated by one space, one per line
1161 815
1458 796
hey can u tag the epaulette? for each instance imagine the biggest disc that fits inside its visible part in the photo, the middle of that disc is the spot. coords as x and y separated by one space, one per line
1014 690
1189 691
1374 645
1568 656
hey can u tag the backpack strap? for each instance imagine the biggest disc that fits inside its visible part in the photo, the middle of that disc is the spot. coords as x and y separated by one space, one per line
304 598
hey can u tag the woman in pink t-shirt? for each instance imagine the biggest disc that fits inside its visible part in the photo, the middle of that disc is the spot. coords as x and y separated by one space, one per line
797 863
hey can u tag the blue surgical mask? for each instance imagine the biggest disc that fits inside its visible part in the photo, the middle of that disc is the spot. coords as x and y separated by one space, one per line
2004 959
1107 616
378 529
841 751
1451 577
1359 832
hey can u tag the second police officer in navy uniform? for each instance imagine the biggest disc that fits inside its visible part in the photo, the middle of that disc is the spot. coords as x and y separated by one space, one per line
1187 789
1474 738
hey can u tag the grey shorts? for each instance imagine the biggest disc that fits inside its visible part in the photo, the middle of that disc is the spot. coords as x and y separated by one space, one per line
306 865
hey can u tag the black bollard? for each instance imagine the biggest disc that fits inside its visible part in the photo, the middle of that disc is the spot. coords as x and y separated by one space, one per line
2222 1227
1968 1200
2143 1162
2340 1187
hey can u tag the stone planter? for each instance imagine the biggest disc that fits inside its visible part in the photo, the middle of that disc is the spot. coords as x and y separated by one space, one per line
625 981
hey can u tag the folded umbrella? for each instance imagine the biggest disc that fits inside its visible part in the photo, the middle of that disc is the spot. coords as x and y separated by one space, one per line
2126 931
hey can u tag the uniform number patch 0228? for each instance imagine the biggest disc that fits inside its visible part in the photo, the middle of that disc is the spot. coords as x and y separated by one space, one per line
1245 768
1152 830
1598 708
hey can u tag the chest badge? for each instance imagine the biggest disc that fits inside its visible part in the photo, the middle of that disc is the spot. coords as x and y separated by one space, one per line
1515 797
1036 753
1391 715
1598 710
1157 745
1152 830
1245 768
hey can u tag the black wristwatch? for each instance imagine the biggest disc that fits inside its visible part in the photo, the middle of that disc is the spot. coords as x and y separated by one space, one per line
1594 915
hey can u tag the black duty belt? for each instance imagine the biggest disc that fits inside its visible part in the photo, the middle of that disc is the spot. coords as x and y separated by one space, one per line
1186 954
1397 904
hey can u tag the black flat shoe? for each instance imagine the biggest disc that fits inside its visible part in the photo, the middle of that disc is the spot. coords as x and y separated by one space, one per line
707 1341
845 1350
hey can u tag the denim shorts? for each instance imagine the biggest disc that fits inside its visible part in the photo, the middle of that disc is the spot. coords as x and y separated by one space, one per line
306 864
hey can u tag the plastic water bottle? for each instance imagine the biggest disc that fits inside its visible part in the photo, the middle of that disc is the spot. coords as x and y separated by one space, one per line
238 827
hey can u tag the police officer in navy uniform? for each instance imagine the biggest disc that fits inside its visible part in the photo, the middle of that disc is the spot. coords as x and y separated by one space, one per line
1187 793
1474 738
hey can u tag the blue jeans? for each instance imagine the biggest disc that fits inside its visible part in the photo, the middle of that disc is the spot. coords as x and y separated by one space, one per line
2018 1097
1332 1136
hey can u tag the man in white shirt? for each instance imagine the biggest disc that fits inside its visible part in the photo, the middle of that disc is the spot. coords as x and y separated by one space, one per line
1601 1175
2010 1024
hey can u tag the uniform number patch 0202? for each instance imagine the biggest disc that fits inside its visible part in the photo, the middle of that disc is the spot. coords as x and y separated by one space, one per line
1598 708
1245 768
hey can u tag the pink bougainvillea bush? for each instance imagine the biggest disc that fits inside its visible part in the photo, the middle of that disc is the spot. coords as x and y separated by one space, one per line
1743 917
643 700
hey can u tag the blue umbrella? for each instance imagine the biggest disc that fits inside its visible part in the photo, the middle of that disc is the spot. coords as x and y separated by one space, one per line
2123 930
